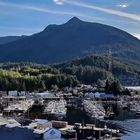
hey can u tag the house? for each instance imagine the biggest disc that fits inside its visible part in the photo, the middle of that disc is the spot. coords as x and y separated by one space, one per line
42 126
13 93
90 95
98 95
3 93
13 99
22 93
45 127
104 95
59 124
45 95
52 134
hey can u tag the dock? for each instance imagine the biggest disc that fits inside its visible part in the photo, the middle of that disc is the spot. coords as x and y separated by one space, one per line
92 127
68 127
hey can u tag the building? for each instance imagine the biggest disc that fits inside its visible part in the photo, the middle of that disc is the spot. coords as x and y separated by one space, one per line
13 93
90 95
22 93
103 95
59 124
52 134
45 127
46 96
42 126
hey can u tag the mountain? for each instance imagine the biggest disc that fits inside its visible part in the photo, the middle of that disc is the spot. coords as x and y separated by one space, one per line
91 68
8 39
76 38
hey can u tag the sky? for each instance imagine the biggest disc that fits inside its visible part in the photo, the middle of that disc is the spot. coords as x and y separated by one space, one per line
26 17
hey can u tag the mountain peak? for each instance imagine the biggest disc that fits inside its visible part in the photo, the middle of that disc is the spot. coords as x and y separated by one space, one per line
74 20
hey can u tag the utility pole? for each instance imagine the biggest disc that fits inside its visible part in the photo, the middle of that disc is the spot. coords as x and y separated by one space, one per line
110 61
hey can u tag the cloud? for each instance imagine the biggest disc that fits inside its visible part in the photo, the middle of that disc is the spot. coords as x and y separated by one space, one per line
105 10
59 2
40 9
45 10
137 35
123 5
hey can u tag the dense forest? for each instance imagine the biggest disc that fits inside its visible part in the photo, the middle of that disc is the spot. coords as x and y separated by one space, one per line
28 76
92 69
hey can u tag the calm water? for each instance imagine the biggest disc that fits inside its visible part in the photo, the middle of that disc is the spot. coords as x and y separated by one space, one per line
16 134
131 136
124 118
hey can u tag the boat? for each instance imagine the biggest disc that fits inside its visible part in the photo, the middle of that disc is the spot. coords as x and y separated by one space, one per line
110 116
138 112
12 123
91 138
71 130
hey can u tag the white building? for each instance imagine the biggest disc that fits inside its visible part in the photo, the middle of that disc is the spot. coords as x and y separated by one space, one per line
90 95
45 127
52 134
22 93
42 126
13 93
103 95
45 95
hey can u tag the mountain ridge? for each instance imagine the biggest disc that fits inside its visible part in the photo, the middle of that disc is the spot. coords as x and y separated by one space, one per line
75 38
8 39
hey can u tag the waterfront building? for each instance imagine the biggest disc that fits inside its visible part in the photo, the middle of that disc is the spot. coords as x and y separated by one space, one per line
52 134
42 126
59 124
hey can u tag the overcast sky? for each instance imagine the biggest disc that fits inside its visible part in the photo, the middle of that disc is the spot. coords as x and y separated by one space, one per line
25 17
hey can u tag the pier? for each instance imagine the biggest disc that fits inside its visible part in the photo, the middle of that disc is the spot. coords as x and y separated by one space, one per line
92 127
